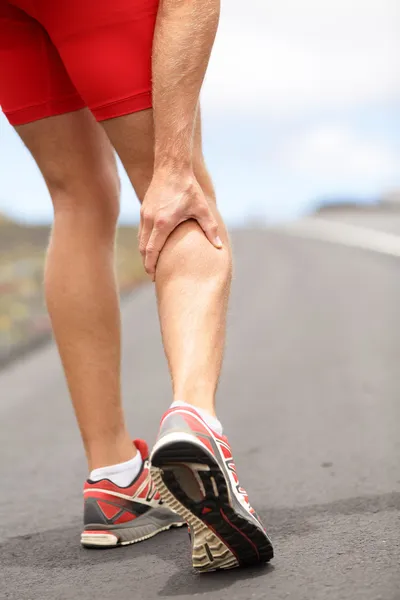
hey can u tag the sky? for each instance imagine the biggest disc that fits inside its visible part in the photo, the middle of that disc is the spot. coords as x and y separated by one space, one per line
301 103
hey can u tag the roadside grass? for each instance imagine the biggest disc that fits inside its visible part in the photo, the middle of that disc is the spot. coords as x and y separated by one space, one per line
23 317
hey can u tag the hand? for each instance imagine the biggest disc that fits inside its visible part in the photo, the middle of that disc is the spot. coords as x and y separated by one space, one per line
170 200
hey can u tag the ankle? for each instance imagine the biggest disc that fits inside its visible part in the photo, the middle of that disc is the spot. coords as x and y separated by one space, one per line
106 451
209 417
203 402
121 474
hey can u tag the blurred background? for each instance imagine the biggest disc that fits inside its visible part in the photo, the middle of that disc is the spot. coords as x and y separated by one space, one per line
300 111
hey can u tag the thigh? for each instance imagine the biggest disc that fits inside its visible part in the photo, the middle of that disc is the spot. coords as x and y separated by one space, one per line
106 47
33 81
133 138
75 158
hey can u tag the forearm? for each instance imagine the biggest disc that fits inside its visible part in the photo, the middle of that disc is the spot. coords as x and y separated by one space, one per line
183 39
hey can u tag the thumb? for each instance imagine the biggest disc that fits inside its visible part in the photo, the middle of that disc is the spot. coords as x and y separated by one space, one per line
210 227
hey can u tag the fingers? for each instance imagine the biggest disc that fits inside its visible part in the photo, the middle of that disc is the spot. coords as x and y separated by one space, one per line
145 229
153 234
162 229
209 225
155 244
164 208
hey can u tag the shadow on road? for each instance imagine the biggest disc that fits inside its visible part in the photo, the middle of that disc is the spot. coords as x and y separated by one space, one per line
54 556
59 549
180 584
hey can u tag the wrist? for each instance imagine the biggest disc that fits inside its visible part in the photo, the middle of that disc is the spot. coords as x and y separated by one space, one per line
173 149
169 163
176 178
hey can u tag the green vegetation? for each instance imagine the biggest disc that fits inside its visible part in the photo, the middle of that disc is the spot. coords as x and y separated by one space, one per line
23 318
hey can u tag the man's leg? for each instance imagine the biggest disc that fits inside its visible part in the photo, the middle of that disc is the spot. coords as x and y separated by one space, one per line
77 162
191 463
192 277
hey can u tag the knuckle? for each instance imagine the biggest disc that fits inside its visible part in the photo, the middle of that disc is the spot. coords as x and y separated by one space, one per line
149 267
145 215
206 211
161 221
213 226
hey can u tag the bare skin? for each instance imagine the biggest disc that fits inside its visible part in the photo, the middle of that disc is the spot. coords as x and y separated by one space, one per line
192 279
183 39
77 163
179 235
192 276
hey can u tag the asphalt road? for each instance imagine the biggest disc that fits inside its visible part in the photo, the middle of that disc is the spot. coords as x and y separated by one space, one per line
310 400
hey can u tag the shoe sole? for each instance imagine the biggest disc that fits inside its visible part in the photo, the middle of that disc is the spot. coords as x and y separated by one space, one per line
100 536
221 537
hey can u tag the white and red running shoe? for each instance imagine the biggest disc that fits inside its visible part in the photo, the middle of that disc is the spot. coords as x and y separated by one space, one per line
117 516
193 469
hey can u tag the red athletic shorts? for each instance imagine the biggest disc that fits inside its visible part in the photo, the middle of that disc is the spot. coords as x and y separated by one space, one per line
57 56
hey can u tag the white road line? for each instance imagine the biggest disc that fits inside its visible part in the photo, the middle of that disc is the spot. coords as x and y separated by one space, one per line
345 234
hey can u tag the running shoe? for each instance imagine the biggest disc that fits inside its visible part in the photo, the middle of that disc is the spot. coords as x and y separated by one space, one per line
118 516
193 469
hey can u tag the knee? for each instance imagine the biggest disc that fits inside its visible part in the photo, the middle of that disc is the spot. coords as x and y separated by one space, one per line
94 197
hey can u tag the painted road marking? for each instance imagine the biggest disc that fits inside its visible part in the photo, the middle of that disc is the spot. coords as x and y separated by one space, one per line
345 234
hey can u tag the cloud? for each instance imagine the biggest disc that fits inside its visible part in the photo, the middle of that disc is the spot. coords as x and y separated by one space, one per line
334 153
283 58
279 60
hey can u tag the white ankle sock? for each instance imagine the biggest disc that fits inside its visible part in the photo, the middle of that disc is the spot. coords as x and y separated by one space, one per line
211 421
122 474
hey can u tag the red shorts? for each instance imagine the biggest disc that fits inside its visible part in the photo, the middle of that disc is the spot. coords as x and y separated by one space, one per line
57 56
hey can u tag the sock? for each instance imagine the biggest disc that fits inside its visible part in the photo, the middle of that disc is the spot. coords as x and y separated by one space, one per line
122 474
211 421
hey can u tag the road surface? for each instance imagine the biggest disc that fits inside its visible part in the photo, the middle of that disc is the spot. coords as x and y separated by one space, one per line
310 400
